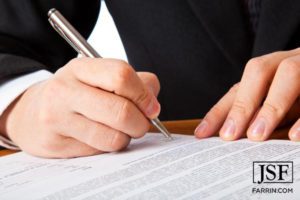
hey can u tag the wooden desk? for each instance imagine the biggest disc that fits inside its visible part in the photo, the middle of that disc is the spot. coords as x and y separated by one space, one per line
183 127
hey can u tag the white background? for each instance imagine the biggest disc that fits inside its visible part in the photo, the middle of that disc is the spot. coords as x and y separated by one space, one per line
105 38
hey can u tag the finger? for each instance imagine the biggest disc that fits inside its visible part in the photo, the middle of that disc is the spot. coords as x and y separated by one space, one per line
214 119
254 85
119 77
294 133
151 81
94 134
58 146
292 116
283 93
74 148
109 109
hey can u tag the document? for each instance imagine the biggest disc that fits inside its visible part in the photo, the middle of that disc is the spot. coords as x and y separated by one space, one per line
154 168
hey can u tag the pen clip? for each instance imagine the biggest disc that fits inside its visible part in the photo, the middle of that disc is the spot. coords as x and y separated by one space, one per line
62 34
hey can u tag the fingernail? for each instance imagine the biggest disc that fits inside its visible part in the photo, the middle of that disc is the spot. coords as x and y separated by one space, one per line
200 130
258 129
296 135
228 129
153 108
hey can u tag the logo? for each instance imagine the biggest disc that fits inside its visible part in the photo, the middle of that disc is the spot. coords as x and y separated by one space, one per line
265 173
273 172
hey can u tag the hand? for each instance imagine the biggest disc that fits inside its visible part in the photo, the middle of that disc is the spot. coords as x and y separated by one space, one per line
88 107
266 97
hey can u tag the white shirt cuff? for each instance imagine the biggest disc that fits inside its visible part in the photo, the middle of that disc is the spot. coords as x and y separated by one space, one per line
13 88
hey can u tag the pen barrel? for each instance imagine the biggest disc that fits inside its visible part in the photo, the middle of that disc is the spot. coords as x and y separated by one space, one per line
71 35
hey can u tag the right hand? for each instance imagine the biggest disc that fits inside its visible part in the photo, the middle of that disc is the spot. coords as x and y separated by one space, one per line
89 106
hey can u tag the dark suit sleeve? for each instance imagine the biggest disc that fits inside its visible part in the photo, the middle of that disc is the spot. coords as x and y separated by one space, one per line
27 41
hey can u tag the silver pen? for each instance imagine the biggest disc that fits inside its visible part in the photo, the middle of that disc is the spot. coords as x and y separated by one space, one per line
74 38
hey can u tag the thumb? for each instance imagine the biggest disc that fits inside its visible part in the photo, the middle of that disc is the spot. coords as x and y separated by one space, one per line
151 83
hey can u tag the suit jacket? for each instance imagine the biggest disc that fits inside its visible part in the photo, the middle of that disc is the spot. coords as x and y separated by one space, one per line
197 48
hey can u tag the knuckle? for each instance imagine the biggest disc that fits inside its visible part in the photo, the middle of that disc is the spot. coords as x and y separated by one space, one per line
122 63
76 64
234 88
119 141
123 74
273 110
156 83
73 63
155 79
240 107
124 112
144 96
293 51
256 66
290 67
257 61
61 71
274 54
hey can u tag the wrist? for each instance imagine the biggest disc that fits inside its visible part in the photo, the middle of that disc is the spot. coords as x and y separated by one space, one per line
4 119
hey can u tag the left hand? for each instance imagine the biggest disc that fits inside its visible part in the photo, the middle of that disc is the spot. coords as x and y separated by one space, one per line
266 97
